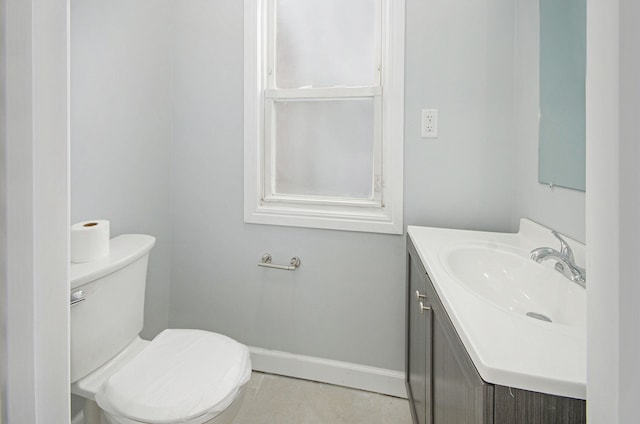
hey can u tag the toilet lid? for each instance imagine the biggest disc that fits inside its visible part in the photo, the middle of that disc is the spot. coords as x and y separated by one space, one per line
186 376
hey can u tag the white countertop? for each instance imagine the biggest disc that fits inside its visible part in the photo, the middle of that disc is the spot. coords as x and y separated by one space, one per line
508 349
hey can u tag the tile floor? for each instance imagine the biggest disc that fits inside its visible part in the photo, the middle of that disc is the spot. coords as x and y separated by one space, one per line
272 399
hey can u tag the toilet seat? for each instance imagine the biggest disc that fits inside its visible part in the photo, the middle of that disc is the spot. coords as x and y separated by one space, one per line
186 376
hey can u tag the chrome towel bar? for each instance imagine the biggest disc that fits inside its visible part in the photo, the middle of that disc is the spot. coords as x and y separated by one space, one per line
266 262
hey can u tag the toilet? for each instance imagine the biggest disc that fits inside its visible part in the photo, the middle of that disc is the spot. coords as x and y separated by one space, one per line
181 376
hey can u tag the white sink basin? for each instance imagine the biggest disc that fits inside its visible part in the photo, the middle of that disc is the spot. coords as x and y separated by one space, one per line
507 278
487 284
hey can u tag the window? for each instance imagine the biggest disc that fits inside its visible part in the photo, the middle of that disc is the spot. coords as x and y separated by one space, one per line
324 113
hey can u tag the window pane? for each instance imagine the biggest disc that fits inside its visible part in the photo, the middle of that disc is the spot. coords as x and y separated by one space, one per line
324 148
325 43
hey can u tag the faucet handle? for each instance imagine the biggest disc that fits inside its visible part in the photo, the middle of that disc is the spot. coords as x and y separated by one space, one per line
565 249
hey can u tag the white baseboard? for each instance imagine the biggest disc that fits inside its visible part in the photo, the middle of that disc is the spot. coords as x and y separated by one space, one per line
345 374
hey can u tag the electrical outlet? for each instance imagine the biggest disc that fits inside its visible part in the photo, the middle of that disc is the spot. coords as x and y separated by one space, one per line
429 123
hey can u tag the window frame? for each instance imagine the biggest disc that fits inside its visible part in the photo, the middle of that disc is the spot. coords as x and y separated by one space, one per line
383 212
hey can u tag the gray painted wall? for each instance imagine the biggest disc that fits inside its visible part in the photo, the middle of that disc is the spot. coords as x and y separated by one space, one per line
629 211
558 208
459 59
346 302
157 147
121 128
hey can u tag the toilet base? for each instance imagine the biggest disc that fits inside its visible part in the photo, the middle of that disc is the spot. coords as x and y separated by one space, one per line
94 415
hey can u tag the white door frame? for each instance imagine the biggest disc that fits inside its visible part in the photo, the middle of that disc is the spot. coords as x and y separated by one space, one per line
35 213
35 196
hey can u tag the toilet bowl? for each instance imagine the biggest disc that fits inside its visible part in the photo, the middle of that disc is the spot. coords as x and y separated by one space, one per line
181 376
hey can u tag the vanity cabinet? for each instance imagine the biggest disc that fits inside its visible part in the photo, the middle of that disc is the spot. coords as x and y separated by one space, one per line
444 386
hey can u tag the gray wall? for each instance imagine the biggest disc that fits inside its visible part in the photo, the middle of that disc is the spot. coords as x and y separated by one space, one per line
559 208
121 128
157 147
459 59
346 302
629 211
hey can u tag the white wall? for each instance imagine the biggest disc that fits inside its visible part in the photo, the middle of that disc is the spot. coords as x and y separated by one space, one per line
35 201
121 129
346 301
629 209
3 218
613 206
604 336
558 208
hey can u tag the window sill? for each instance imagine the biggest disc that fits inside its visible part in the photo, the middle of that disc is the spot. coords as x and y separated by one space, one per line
372 220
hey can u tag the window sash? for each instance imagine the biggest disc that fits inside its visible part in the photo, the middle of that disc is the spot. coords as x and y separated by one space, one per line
270 47
269 163
258 83
272 94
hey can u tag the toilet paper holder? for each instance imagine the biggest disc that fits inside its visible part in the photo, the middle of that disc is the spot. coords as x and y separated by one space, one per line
266 259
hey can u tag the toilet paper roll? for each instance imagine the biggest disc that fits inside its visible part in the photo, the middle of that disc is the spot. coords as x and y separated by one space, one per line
89 240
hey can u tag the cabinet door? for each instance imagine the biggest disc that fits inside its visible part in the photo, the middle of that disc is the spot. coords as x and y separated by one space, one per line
460 396
418 361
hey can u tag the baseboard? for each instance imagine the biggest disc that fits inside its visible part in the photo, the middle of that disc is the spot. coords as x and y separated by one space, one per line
345 374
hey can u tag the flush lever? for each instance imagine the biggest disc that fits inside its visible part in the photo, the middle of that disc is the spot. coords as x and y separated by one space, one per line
77 297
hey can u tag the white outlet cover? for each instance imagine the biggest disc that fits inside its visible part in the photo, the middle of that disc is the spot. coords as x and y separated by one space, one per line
429 123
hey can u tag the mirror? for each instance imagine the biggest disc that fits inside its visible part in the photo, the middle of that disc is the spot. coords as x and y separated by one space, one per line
563 26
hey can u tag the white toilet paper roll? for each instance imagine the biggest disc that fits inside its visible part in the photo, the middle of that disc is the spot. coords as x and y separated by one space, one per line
89 240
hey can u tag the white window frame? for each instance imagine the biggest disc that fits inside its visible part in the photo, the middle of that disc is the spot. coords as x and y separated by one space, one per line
383 212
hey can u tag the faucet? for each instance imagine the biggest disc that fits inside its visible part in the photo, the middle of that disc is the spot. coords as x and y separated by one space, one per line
565 264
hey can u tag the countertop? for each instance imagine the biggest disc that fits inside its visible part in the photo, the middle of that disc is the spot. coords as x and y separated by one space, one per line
508 349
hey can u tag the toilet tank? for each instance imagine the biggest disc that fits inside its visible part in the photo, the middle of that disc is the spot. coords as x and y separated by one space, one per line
107 302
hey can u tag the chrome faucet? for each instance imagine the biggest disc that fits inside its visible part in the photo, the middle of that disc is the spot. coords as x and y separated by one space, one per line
566 263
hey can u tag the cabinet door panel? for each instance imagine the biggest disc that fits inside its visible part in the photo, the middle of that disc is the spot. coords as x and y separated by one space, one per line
419 324
444 386
457 399
460 396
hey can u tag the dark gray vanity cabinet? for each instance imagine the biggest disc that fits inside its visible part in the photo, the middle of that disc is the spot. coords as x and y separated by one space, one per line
419 361
442 383
444 386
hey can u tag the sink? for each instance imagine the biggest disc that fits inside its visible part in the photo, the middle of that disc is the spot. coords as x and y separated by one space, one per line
507 278
522 323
